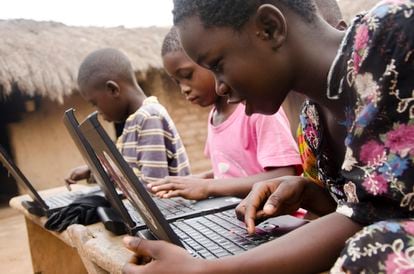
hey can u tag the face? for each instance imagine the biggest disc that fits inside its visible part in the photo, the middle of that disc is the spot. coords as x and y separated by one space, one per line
106 102
196 83
246 68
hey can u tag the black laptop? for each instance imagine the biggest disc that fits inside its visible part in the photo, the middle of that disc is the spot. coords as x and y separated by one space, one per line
211 235
172 209
119 221
40 206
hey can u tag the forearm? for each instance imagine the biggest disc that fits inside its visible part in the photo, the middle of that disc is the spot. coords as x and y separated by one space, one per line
310 249
204 175
240 187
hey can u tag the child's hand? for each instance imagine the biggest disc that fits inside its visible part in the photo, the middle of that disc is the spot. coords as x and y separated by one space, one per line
271 198
158 257
186 187
77 174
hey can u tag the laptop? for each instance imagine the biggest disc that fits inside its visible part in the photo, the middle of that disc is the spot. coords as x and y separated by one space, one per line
211 235
40 206
172 209
120 221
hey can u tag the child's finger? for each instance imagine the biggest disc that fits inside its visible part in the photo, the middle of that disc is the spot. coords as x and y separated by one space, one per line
161 193
274 203
173 193
249 219
164 187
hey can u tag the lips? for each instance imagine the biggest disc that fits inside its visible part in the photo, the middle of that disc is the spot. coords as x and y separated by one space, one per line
192 99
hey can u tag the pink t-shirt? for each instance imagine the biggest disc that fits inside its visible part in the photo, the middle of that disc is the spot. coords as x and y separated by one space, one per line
243 146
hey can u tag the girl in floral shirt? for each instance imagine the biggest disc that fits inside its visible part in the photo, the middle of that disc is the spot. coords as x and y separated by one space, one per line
359 129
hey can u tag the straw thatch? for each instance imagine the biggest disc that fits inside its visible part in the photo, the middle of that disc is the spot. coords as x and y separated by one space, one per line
350 8
42 58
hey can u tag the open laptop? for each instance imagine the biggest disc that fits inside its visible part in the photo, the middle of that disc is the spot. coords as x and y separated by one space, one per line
129 222
212 235
40 206
172 209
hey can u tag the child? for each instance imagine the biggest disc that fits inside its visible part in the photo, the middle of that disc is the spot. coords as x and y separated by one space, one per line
261 146
150 142
364 107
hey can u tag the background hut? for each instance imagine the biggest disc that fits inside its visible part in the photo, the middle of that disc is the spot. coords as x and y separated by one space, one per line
38 68
350 8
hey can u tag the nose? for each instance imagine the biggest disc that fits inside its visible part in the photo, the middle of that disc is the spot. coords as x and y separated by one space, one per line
185 89
222 89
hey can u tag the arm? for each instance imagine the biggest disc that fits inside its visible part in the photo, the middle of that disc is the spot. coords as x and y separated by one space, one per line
240 187
283 195
312 245
204 175
198 189
77 174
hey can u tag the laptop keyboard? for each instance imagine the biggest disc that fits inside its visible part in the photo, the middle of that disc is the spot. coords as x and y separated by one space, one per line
216 235
64 199
173 208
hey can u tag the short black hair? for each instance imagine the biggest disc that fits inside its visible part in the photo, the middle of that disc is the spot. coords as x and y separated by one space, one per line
171 42
234 13
103 65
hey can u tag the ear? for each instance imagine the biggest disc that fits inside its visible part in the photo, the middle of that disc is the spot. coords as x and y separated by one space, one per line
271 25
113 88
341 25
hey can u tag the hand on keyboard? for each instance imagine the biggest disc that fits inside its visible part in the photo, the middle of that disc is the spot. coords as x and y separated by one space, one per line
184 186
158 257
77 174
271 198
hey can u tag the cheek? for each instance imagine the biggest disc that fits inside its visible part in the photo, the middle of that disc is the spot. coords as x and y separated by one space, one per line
205 85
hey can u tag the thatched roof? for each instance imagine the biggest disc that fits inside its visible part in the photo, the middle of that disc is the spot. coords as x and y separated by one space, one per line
350 8
43 57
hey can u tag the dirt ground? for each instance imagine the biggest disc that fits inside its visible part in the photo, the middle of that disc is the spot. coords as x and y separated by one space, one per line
14 247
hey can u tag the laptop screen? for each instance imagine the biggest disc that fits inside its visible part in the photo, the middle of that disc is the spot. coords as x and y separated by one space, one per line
120 172
90 158
21 179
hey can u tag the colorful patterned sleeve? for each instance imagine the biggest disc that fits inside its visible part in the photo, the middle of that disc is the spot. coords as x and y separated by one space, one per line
379 83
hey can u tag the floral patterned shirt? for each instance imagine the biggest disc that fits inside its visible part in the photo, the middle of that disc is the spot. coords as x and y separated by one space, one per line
373 73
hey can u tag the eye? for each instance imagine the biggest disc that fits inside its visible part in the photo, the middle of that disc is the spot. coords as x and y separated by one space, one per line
216 66
186 74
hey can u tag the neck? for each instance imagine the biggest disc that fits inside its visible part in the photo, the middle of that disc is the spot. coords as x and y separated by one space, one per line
135 98
319 47
223 108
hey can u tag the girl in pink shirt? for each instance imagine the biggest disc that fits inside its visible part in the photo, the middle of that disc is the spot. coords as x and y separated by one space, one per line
244 145
243 149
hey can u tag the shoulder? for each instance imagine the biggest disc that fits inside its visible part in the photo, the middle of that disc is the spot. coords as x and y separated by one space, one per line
374 43
152 107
